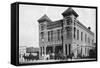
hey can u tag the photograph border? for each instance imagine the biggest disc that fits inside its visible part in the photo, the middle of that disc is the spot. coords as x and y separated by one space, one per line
15 32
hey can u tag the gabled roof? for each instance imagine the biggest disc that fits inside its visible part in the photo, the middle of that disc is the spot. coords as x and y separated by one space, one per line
69 11
44 18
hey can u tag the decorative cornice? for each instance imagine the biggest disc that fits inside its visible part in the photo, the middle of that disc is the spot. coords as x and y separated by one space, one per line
69 11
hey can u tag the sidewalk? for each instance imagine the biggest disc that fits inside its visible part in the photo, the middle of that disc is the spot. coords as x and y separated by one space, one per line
82 59
41 61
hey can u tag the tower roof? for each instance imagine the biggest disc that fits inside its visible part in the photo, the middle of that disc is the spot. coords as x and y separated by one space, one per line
69 11
44 18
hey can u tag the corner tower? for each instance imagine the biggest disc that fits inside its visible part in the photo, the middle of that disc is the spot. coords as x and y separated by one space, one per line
43 21
69 29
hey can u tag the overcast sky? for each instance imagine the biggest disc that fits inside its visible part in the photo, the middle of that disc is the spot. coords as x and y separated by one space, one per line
29 14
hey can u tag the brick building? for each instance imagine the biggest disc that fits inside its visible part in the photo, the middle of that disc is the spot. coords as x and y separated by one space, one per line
67 35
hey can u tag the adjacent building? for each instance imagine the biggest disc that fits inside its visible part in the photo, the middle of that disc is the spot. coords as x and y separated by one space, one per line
32 50
22 51
67 35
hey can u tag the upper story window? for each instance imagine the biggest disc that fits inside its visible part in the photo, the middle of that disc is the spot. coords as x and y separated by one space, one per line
81 36
74 32
68 31
74 21
77 34
88 40
42 35
85 37
58 34
68 20
51 35
42 26
48 35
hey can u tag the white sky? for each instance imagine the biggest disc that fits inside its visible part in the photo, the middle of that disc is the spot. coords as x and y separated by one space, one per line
29 14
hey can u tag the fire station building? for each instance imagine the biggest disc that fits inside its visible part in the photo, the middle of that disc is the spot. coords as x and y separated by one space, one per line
67 35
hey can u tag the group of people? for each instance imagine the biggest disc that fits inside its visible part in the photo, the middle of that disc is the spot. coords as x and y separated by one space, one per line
58 56
30 57
49 56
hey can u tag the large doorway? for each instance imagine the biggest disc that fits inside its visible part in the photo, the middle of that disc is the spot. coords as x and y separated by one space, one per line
58 52
49 49
58 49
68 49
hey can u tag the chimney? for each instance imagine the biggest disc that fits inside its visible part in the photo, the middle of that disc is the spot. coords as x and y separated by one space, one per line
89 28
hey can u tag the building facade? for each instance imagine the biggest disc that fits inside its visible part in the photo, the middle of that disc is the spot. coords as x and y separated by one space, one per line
67 35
